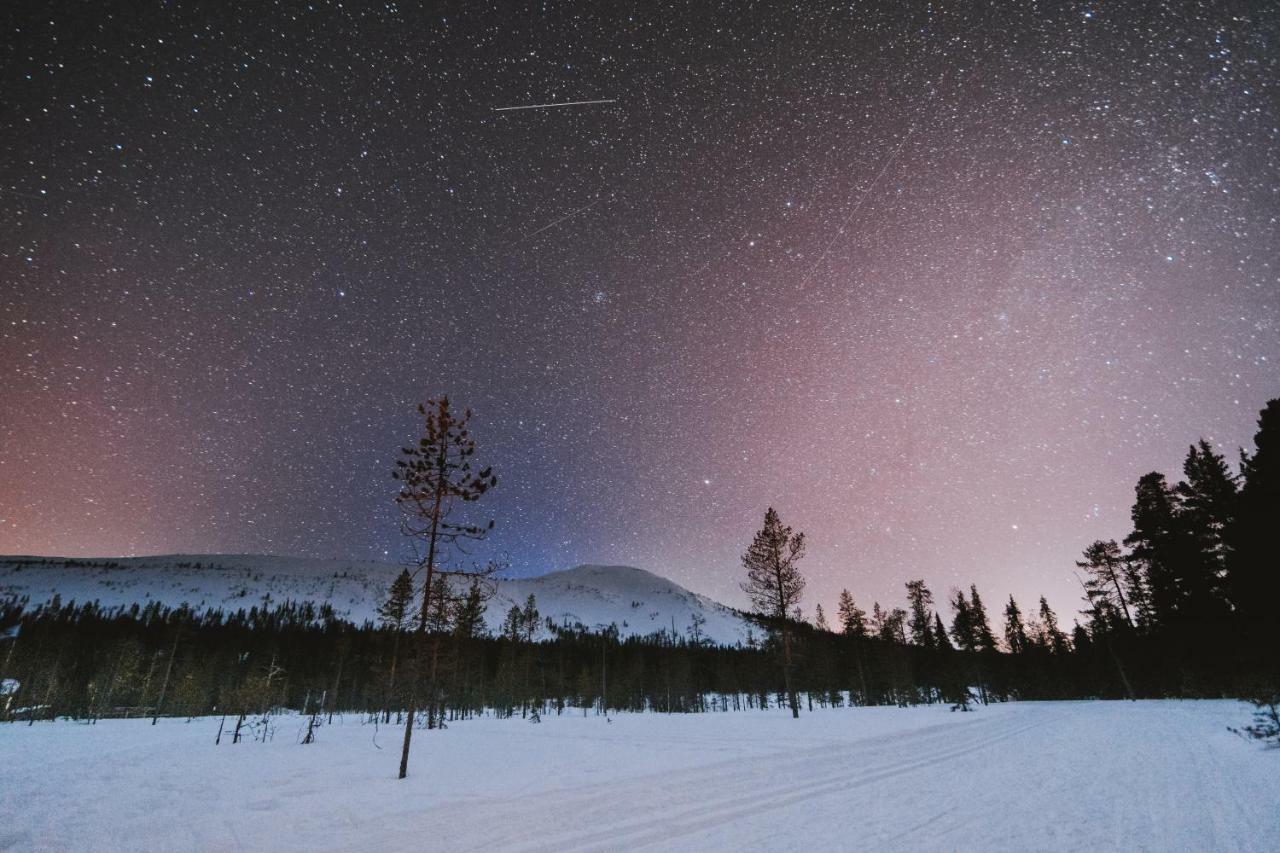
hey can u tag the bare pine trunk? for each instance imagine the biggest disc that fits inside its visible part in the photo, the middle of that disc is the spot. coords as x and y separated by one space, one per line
786 672
164 685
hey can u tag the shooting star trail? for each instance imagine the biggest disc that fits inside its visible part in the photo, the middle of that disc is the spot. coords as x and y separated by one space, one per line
558 104
556 222
845 224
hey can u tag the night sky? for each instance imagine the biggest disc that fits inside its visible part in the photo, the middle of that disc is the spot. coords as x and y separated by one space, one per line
938 283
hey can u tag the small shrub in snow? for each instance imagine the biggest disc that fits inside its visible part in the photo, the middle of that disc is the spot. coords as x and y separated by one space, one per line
1266 719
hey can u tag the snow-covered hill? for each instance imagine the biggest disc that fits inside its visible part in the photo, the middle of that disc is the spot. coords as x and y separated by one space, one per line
637 601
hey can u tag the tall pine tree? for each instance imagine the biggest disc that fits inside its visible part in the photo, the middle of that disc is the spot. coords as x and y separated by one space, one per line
920 600
774 586
853 619
1254 562
1015 632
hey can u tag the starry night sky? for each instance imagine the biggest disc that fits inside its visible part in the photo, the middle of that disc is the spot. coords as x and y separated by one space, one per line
939 283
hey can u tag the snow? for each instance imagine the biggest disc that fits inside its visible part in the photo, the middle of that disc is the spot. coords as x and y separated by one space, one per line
637 601
1023 776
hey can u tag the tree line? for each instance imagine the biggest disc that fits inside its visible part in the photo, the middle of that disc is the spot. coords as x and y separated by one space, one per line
1181 608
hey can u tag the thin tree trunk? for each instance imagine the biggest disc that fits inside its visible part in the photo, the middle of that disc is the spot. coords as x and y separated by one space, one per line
786 672
422 631
164 685
391 680
333 698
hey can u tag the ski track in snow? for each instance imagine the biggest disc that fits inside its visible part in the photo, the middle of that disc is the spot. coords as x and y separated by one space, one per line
1158 776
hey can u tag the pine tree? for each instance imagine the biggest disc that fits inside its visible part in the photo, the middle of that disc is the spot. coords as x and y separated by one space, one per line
529 618
984 640
440 617
1154 545
1207 513
1253 564
1015 632
469 617
820 619
939 632
774 585
962 623
853 619
895 626
395 609
1104 565
1054 638
392 613
436 475
920 600
1135 587
513 625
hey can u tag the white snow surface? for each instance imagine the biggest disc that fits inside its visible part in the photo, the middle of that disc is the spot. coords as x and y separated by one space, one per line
637 601
1098 776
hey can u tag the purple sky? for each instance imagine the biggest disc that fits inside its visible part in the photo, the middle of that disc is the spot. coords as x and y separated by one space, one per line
939 286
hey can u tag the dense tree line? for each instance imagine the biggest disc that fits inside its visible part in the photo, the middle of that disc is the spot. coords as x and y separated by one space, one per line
1182 608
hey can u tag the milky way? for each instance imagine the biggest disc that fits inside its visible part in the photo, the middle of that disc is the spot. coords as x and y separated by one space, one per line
938 283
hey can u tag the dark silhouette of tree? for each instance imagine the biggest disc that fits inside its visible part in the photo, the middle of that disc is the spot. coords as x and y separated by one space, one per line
853 619
393 613
1254 562
1208 505
940 640
1104 567
919 601
774 586
1054 638
962 630
984 639
1154 545
437 476
895 626
469 618
1015 632
820 619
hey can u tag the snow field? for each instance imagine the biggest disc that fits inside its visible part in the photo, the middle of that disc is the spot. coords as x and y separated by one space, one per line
1022 776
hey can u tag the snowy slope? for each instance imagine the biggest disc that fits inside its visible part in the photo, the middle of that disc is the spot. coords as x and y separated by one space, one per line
637 601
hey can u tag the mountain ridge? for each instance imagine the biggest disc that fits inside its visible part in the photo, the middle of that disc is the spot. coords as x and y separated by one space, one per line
638 601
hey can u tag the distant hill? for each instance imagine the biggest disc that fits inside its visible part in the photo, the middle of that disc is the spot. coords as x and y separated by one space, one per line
637 601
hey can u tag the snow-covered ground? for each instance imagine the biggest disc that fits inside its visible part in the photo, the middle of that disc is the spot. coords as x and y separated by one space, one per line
638 602
1158 776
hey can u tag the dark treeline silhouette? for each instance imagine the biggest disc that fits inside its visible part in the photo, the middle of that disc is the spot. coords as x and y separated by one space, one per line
1184 607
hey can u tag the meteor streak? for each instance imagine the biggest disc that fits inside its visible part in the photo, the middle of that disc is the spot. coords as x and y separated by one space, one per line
557 104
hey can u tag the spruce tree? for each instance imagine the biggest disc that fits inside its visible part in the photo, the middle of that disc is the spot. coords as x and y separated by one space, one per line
1015 632
529 618
395 609
393 613
820 619
1154 545
984 640
469 617
774 586
1055 639
962 623
1253 564
1208 498
920 599
939 632
853 619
